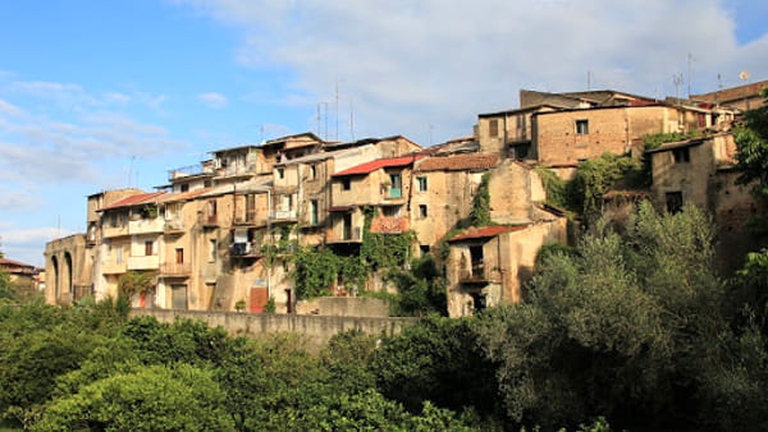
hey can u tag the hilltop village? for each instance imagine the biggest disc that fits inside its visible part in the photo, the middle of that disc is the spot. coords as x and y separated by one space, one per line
225 235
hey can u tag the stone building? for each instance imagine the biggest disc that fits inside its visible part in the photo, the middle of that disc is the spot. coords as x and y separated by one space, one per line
489 265
701 172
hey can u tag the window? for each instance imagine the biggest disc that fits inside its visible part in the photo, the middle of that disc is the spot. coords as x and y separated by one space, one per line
211 250
674 202
119 255
185 187
391 211
281 173
396 186
424 249
423 211
346 184
148 247
212 208
682 155
313 217
582 127
422 181
313 171
179 256
493 128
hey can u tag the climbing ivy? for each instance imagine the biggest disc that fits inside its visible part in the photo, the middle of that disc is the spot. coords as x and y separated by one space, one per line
315 269
554 185
480 215
135 282
597 176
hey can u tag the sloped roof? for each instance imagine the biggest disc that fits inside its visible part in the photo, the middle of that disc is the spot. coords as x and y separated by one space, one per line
732 93
17 267
372 166
677 144
134 200
459 162
486 232
182 196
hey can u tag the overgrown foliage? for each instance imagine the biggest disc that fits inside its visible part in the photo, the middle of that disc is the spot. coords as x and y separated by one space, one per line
597 176
751 138
316 269
555 187
480 215
135 282
655 140
420 290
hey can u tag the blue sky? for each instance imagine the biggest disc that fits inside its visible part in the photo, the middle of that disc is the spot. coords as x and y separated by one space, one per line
97 95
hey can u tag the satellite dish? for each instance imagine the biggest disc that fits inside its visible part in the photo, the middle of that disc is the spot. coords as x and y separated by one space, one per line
744 75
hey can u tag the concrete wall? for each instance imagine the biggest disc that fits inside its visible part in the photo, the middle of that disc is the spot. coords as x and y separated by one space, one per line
317 329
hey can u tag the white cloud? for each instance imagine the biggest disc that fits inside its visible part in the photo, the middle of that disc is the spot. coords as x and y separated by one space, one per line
410 64
10 109
213 100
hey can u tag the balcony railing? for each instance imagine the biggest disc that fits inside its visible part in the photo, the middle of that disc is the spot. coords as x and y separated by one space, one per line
146 226
245 250
173 226
395 192
283 215
474 274
115 231
209 221
150 262
350 235
176 269
114 268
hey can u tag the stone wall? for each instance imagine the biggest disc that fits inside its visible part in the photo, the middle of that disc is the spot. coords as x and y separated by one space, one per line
316 329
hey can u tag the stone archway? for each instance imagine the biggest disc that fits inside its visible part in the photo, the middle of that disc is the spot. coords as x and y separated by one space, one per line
69 289
56 287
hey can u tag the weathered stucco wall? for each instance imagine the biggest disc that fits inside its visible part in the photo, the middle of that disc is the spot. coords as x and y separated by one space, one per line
317 329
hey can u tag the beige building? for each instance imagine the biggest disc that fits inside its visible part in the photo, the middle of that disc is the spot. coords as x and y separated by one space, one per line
743 97
442 192
488 266
701 172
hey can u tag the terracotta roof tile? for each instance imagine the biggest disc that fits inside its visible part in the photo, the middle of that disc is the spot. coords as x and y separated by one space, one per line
142 198
372 166
459 162
486 231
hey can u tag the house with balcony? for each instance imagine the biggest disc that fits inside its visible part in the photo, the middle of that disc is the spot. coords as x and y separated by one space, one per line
443 187
131 231
489 265
384 185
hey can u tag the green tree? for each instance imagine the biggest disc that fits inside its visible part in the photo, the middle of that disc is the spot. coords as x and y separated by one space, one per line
630 327
156 398
421 289
435 360
751 138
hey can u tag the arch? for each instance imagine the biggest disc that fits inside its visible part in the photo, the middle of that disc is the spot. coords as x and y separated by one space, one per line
68 269
56 288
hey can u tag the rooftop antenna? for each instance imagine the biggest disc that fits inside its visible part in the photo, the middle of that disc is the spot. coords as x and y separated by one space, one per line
677 79
690 60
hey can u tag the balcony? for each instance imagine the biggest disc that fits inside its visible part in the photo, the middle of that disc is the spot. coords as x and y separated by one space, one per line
245 250
151 262
475 274
395 193
173 227
175 269
250 220
347 235
146 226
115 231
114 268
283 215
209 221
